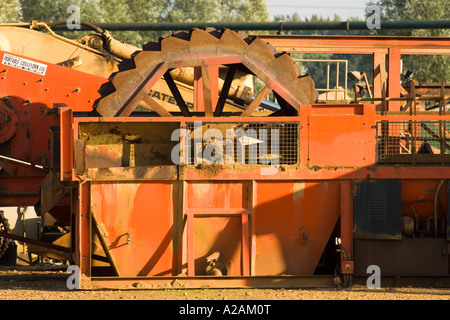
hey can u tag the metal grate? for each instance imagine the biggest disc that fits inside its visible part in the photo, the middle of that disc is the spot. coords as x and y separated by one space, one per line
261 143
413 142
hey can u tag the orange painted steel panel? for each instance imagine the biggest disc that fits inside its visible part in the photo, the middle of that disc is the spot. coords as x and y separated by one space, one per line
136 219
82 229
358 44
220 195
58 84
66 150
293 223
394 74
222 234
217 220
347 217
338 141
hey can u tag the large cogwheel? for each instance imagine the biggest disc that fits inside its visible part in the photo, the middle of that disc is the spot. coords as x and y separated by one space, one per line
205 50
4 227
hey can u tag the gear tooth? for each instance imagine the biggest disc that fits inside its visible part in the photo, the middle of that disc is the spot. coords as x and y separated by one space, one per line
181 35
135 53
260 54
152 46
128 77
161 38
174 49
106 88
146 61
305 88
126 88
243 36
272 48
202 44
230 43
213 31
283 69
126 65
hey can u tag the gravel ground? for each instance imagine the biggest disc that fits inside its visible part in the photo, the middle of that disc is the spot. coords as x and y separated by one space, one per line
34 283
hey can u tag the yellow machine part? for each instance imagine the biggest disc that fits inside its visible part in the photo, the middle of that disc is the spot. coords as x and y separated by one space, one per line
85 55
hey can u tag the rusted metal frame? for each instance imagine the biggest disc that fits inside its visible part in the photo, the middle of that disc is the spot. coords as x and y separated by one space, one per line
358 44
210 75
82 229
182 122
66 150
367 172
163 172
252 204
225 89
408 99
379 74
206 87
199 103
78 120
177 95
142 90
369 112
245 255
189 233
155 106
304 116
347 217
212 282
412 118
179 225
257 101
394 73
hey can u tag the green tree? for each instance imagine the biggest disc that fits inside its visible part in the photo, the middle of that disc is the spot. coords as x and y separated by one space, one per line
432 68
318 70
10 11
216 10
148 11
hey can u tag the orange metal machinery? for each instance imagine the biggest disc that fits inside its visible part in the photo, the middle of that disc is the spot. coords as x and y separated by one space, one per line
356 184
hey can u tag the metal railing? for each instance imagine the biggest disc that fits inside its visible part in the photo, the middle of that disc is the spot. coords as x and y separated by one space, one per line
335 90
413 142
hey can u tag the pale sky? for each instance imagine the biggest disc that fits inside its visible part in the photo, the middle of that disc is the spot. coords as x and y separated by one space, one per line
325 8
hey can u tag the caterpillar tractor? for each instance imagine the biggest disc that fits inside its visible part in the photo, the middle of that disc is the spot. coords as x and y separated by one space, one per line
47 81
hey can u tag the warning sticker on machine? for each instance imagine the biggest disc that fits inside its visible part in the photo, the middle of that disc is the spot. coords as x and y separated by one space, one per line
24 64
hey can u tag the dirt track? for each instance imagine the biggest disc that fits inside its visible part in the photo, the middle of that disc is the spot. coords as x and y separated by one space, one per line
38 284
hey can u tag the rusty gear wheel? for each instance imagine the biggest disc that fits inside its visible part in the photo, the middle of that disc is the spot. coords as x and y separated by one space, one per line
202 49
4 227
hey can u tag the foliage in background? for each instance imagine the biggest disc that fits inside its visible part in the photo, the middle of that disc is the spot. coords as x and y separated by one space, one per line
10 11
427 68
318 70
435 68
